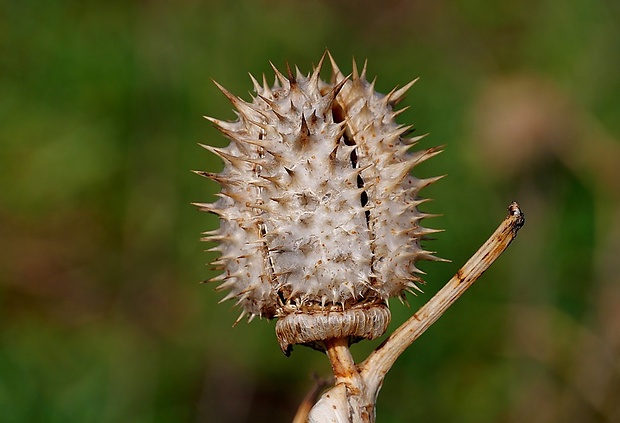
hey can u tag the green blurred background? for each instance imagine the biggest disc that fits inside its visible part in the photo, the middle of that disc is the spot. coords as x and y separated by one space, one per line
102 318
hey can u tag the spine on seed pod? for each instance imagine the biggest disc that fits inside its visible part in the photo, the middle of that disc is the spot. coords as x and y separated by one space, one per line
319 217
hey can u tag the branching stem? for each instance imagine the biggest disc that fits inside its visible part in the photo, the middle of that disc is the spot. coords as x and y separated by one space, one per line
375 367
356 403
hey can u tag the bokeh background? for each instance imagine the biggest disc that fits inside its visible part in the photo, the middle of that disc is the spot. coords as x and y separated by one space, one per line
102 317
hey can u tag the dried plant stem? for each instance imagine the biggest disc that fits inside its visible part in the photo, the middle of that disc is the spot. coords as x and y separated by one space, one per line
342 362
375 367
366 379
310 399
347 374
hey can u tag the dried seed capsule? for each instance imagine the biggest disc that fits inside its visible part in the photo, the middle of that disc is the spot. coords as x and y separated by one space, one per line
319 219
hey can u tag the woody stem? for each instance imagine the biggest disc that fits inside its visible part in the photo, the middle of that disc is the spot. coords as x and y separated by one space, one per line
374 368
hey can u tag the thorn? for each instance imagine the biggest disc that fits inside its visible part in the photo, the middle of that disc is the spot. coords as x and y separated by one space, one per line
339 86
429 215
290 172
415 286
280 77
360 170
333 154
386 98
222 125
239 198
396 96
203 173
243 313
408 132
274 108
217 248
233 160
243 295
314 77
356 76
217 151
217 177
266 89
425 232
228 296
202 205
313 118
304 134
209 207
298 74
418 232
365 128
428 153
214 238
363 74
326 102
343 128
336 73
275 180
431 257
218 278
212 232
255 142
398 112
402 168
264 126
291 78
231 97
398 132
226 128
246 109
413 140
371 87
257 88
423 183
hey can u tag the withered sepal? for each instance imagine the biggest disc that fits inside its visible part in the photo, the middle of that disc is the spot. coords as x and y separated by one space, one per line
363 321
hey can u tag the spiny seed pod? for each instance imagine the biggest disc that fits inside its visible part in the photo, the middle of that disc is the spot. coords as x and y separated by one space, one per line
319 219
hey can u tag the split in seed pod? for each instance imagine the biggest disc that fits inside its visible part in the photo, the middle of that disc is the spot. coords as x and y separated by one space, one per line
319 218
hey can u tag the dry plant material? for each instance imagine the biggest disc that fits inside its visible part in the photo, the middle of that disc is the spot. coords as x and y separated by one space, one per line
319 219
339 404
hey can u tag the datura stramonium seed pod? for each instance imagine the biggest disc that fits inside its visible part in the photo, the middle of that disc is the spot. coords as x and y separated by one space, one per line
319 219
